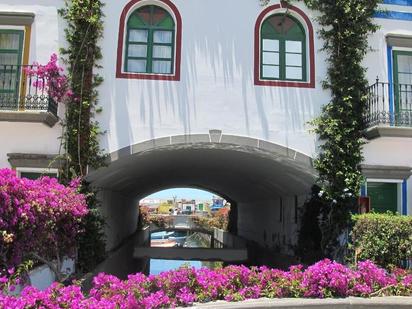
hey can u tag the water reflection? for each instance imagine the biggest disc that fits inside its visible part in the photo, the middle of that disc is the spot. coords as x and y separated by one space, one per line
167 239
158 266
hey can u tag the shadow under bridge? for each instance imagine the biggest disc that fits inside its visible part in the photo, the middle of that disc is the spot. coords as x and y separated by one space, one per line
259 178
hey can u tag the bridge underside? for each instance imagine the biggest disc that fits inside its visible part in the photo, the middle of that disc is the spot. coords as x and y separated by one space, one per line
265 182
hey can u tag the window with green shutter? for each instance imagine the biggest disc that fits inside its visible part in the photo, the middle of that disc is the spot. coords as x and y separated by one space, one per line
37 175
11 51
383 196
282 49
150 41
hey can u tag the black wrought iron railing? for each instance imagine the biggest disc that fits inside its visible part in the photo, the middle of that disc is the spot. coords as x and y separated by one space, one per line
23 89
389 104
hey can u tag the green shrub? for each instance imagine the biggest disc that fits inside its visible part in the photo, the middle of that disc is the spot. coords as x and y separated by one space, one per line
385 239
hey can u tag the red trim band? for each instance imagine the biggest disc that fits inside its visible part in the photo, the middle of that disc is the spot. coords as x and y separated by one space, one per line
120 44
260 82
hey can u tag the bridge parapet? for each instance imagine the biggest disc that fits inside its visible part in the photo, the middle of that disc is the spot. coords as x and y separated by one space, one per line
224 247
172 221
223 239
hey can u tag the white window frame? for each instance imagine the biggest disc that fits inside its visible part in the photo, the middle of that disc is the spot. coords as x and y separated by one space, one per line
39 170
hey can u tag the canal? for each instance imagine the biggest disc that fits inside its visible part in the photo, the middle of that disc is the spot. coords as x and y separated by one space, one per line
191 240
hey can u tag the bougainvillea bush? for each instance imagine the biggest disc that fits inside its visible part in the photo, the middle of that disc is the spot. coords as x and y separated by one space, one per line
49 78
186 286
39 219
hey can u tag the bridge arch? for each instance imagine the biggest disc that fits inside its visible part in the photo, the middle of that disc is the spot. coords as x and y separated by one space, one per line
266 181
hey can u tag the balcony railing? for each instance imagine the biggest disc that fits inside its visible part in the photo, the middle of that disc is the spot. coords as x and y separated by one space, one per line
20 91
389 104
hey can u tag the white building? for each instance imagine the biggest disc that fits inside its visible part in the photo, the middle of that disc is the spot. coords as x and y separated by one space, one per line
178 73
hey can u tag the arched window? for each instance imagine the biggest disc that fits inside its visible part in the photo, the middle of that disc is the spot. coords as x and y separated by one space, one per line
283 49
149 44
150 41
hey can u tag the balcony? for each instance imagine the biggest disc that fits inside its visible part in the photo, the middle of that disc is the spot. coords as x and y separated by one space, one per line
24 96
389 110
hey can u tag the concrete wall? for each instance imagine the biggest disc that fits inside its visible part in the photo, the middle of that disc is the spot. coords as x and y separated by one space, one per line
393 302
266 224
121 215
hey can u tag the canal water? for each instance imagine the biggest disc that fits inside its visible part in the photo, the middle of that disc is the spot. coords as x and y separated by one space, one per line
193 241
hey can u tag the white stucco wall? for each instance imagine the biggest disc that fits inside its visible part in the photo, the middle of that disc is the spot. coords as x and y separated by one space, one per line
46 38
216 90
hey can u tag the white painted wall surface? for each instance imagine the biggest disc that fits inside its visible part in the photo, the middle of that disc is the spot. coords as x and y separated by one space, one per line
46 38
216 90
18 137
42 277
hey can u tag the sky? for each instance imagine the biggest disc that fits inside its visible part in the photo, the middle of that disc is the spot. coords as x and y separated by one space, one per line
187 193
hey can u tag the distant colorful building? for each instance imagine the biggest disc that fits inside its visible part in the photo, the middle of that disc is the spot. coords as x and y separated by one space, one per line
218 203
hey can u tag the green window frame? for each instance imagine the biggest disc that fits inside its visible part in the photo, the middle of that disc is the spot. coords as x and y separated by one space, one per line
283 49
150 41
11 55
402 89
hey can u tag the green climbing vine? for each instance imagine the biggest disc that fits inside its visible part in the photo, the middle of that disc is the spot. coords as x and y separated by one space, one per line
84 29
346 25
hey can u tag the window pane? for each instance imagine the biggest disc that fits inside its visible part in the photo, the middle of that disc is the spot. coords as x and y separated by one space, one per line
293 47
162 36
405 78
294 59
160 66
270 71
138 35
8 80
8 59
9 41
270 45
162 51
293 73
137 66
405 63
270 58
406 98
137 51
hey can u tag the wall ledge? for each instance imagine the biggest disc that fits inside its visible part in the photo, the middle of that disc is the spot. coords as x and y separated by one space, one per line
386 171
46 118
334 303
386 131
34 160
16 18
